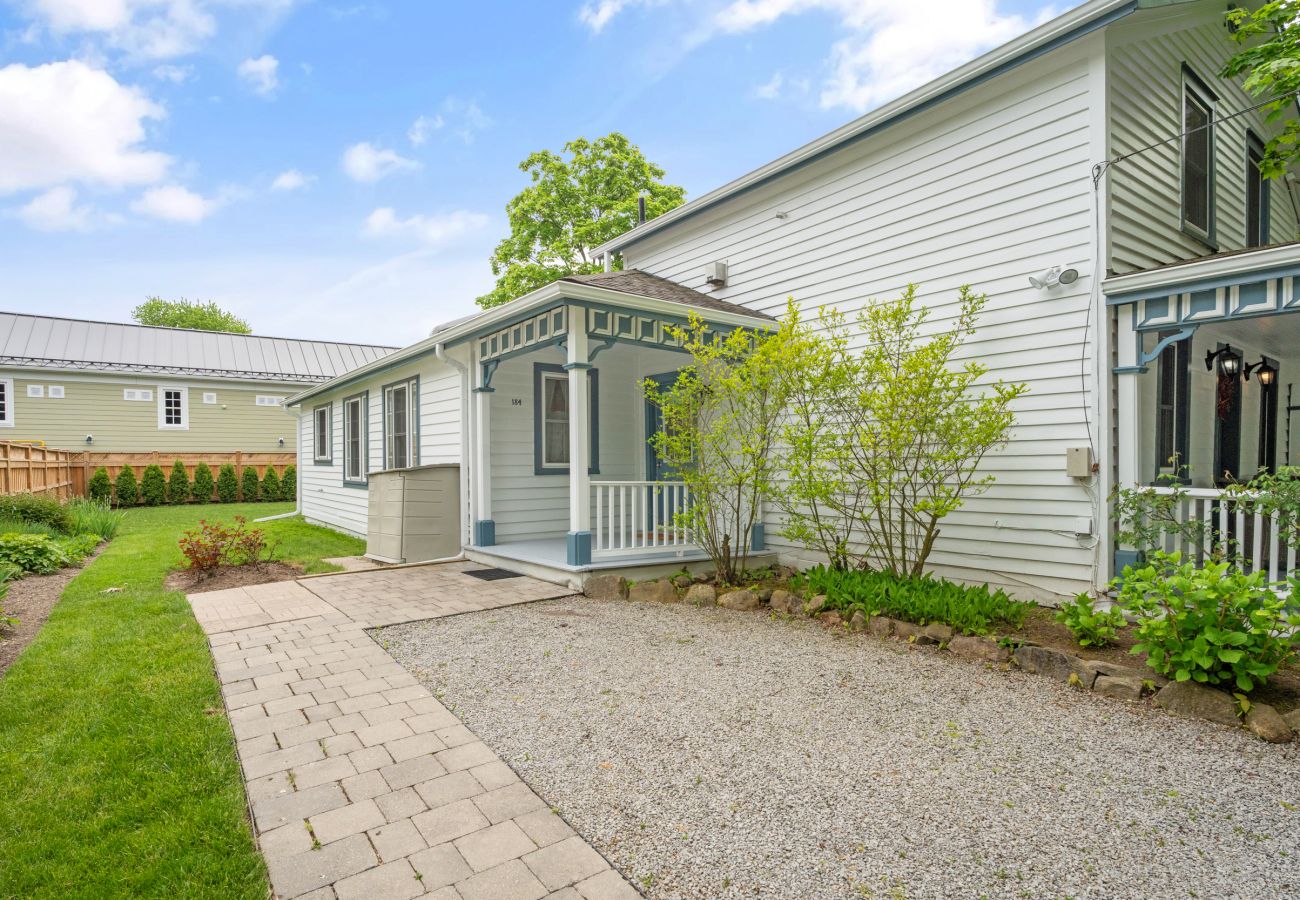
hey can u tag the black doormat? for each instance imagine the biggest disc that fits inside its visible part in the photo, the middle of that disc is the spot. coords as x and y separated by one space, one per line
492 574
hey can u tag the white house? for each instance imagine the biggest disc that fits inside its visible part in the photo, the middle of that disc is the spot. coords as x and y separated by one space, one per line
1102 146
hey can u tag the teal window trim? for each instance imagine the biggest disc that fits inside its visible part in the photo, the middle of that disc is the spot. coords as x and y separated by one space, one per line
1195 89
360 480
539 371
319 458
412 385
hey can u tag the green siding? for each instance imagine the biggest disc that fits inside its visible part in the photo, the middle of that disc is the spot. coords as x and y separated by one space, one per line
94 405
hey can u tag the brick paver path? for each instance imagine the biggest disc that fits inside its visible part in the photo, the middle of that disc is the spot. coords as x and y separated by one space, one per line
362 784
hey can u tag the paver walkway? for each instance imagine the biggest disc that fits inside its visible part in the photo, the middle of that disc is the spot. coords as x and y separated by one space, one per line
362 784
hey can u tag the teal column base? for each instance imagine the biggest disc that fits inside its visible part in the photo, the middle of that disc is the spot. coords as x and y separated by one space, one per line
757 538
485 533
579 547
1125 558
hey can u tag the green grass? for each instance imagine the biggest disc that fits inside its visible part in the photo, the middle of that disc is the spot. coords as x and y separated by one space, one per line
118 774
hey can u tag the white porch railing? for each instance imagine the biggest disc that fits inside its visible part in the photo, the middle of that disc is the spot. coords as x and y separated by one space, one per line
1230 528
638 517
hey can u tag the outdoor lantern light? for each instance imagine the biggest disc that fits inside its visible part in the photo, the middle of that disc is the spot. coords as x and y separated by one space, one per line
1229 362
1263 371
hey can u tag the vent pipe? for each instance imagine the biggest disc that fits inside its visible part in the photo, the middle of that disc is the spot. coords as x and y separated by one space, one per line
640 210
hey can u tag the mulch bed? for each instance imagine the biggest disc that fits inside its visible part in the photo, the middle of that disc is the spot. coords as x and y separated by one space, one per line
233 577
30 599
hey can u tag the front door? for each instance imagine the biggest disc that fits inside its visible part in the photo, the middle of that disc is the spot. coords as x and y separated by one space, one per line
1227 428
659 507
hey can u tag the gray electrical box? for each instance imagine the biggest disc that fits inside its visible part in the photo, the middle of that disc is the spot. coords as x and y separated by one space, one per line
414 514
1078 462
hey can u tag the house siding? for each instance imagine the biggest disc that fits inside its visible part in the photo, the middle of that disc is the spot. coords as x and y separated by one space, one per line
986 190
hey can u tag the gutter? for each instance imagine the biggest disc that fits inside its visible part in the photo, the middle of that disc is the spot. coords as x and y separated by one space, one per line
1268 261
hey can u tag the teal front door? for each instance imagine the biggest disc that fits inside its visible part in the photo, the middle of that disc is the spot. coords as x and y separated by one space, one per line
661 504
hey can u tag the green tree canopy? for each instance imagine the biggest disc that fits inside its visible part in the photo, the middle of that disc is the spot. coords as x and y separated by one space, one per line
572 206
1270 61
188 314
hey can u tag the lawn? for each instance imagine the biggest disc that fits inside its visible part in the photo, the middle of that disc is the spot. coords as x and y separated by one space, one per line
118 774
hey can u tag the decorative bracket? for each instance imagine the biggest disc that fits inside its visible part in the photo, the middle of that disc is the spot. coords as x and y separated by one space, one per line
604 345
489 370
1184 334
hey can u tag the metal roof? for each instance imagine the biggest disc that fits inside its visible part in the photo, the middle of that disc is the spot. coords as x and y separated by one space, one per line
49 342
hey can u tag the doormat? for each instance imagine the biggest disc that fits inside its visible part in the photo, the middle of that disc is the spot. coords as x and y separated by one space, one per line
492 574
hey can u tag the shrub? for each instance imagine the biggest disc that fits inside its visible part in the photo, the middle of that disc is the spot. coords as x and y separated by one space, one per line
921 599
271 485
249 486
79 546
1090 626
95 518
37 510
227 484
153 486
100 488
1213 625
36 554
125 490
203 484
289 483
178 484
213 545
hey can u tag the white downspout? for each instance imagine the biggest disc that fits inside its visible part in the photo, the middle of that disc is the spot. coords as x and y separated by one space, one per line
297 471
440 353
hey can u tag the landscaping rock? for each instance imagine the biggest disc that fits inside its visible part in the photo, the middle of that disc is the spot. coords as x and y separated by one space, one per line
832 618
682 581
784 602
1292 719
1119 687
605 587
911 632
739 600
1187 698
704 578
659 591
880 626
1267 724
701 595
815 605
1054 664
941 633
859 620
970 647
763 592
1111 670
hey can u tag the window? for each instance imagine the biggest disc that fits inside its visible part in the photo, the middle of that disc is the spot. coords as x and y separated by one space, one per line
1173 390
137 394
173 407
209 397
354 439
401 413
322 433
1198 158
551 419
263 400
6 403
1257 207
1268 420
35 390
56 392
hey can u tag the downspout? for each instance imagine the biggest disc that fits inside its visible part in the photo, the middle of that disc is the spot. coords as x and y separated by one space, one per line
440 353
297 471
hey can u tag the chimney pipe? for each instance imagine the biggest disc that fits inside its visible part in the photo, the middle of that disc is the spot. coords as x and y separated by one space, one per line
640 210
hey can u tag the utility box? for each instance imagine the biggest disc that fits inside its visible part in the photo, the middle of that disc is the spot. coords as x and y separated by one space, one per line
1078 462
414 514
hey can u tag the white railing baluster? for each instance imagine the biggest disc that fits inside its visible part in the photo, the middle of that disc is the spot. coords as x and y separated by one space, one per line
1273 549
639 516
1257 542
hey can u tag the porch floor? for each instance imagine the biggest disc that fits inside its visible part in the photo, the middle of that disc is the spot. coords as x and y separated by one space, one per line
553 552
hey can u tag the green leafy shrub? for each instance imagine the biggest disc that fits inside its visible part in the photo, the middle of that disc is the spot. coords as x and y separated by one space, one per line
249 486
227 484
271 484
33 554
1213 625
79 546
922 599
153 486
289 483
100 488
178 484
93 517
203 484
1090 626
37 510
125 490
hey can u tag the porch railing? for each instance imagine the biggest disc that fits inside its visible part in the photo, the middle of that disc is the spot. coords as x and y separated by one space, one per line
1228 526
638 517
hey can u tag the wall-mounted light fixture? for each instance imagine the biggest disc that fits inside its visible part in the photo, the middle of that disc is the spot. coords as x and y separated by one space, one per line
1229 360
1053 277
90 439
281 442
1265 372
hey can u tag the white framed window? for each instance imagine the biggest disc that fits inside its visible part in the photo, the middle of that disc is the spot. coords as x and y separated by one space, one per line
322 434
1198 157
354 439
56 392
551 419
137 394
209 397
401 413
35 390
1257 199
6 403
264 400
173 407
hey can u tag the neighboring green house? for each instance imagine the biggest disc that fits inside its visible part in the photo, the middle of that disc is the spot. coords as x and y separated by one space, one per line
78 384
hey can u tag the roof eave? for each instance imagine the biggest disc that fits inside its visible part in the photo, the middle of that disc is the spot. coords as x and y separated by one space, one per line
1134 286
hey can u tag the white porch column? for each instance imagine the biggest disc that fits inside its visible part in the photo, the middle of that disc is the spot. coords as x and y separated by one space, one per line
1128 416
485 527
579 538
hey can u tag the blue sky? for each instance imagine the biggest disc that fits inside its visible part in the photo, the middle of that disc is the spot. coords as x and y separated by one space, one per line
338 169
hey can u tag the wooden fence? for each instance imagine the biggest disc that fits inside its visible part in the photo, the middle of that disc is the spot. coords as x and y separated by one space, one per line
65 473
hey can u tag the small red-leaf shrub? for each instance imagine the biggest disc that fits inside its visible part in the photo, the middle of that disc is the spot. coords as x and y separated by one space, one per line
214 544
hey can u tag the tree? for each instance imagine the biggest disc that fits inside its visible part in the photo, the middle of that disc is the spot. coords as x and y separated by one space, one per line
201 490
190 314
289 483
178 485
250 488
125 489
271 484
227 484
153 485
100 488
572 206
1270 61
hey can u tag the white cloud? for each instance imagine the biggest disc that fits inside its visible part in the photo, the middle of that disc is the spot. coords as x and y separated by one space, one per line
174 203
596 14
419 131
150 29
173 73
463 118
291 180
771 89
57 210
367 163
261 74
65 121
434 229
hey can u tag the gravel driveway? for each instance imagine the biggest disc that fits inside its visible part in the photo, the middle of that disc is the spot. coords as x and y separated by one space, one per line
710 753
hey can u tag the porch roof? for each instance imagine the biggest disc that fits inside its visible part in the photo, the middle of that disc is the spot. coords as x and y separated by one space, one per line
1218 270
643 284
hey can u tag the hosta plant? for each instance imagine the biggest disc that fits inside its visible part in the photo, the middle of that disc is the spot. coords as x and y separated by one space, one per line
1091 627
1213 625
34 554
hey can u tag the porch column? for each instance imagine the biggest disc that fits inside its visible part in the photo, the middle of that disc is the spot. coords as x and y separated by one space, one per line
485 528
579 538
1128 418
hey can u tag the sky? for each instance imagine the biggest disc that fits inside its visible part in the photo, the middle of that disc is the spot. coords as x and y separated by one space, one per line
339 169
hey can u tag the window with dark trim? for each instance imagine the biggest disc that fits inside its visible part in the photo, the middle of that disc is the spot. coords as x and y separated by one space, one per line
322 432
6 402
1257 206
1173 393
401 413
551 419
1198 157
1268 424
354 439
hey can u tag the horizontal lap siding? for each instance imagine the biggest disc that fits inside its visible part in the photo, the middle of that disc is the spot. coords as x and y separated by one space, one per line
984 190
